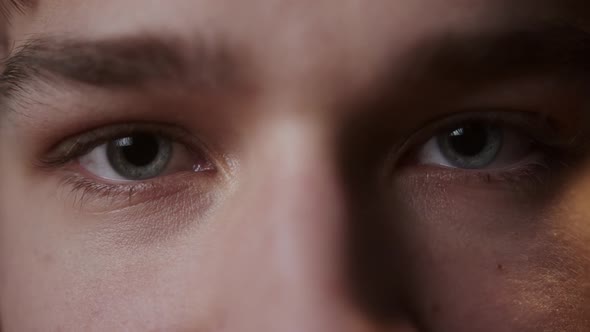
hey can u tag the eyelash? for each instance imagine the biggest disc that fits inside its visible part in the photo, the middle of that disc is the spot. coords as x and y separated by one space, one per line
77 146
521 177
84 188
557 152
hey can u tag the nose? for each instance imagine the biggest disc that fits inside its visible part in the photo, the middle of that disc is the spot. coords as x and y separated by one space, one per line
288 242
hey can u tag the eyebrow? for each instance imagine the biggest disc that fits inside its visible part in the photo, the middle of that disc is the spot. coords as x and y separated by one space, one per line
133 62
445 69
547 48
452 66
115 63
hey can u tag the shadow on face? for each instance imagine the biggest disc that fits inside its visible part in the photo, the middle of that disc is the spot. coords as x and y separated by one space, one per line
294 166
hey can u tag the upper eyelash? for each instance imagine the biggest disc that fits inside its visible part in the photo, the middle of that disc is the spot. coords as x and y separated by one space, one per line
79 145
560 151
542 132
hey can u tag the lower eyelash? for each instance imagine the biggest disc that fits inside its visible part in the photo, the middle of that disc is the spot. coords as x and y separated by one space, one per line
84 190
531 173
531 177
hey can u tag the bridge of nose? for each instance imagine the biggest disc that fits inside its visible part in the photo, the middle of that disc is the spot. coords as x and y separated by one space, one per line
284 252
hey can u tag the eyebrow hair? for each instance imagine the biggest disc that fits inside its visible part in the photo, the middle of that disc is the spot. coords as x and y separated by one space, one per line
543 48
132 62
118 63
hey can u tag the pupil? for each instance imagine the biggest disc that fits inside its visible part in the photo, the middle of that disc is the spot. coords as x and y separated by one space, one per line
470 140
138 150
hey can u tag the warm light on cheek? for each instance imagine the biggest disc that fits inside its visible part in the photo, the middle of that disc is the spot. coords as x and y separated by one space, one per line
571 207
525 253
578 193
481 202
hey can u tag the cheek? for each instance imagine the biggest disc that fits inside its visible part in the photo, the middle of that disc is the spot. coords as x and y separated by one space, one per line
503 259
73 282
59 270
31 284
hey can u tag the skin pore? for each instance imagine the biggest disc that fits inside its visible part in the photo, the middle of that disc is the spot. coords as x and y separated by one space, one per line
307 186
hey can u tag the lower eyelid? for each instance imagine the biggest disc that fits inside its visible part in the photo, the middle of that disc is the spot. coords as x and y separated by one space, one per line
525 177
99 197
140 214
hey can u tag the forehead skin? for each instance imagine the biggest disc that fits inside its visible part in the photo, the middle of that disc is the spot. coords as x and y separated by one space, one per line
311 52
311 46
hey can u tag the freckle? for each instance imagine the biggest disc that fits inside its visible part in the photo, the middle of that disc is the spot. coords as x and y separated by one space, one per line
500 267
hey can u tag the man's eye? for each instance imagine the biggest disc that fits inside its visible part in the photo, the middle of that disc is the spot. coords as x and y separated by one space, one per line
476 146
140 156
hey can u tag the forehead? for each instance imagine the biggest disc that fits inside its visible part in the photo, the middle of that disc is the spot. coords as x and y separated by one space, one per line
255 14
293 41
282 23
277 22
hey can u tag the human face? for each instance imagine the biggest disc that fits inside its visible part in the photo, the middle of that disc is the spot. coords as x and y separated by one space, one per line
295 165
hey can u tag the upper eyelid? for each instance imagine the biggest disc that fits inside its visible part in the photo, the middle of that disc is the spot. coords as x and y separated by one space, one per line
538 126
80 144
